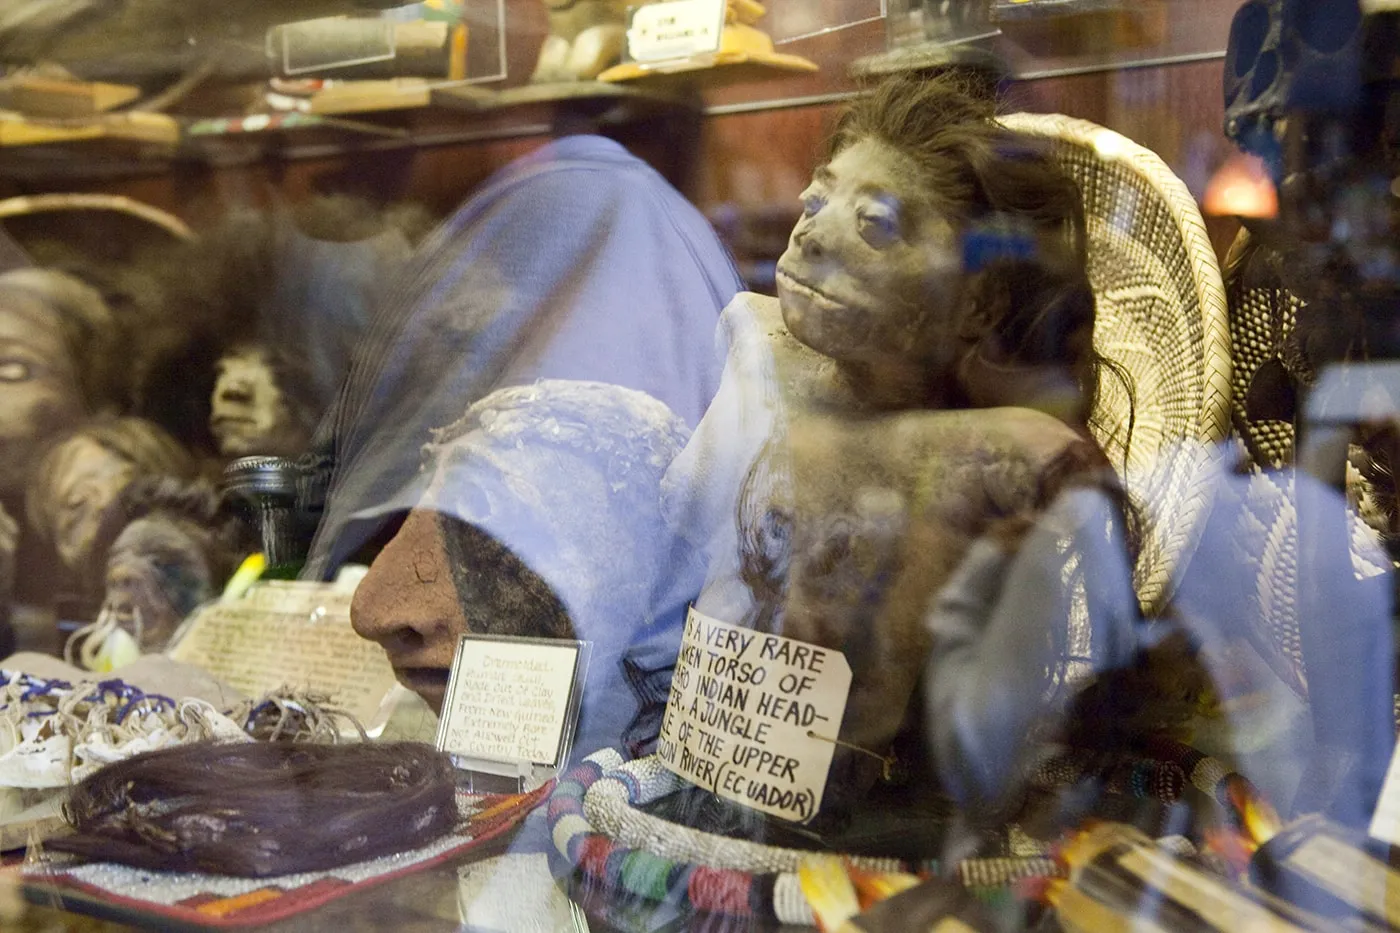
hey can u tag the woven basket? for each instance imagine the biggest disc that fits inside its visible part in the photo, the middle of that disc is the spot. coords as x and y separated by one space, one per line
1264 537
1161 315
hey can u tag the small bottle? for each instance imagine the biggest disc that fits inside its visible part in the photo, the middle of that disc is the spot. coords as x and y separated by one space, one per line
267 488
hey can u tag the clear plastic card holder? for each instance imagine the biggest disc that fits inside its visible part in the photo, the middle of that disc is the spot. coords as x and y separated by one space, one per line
298 46
910 23
511 711
486 40
794 20
301 48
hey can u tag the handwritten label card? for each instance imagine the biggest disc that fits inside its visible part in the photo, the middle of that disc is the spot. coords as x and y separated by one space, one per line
675 29
751 716
291 634
512 700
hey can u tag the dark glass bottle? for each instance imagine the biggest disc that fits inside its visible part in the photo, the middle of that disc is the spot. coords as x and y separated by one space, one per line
266 489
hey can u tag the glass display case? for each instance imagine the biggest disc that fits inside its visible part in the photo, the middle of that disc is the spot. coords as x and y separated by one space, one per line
856 465
1040 38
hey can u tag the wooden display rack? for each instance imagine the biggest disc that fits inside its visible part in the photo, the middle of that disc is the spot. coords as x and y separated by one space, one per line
141 129
569 93
372 96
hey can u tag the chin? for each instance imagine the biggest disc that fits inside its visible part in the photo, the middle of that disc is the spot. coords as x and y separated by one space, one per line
830 327
428 683
241 446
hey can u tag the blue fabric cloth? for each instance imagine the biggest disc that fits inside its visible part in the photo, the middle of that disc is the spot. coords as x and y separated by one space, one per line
576 262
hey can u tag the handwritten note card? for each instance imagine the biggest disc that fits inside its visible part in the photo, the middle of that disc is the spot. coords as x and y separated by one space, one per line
675 29
294 635
751 716
510 700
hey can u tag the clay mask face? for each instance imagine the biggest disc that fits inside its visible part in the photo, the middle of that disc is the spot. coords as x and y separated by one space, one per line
872 268
82 491
249 414
39 393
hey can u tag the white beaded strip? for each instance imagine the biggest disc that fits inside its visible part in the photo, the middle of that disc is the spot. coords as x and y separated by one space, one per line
790 904
608 807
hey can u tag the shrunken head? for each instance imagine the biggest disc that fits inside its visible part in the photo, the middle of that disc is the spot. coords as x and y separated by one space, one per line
56 364
879 270
256 408
74 501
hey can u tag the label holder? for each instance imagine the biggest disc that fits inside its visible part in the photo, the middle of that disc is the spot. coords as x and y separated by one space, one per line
491 774
697 10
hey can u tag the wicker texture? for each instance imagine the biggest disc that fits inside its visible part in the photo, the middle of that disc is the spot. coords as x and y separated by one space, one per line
1161 315
1263 335
1263 317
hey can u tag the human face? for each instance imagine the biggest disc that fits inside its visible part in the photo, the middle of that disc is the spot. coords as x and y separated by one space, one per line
871 272
408 603
86 481
503 539
248 412
39 391
155 570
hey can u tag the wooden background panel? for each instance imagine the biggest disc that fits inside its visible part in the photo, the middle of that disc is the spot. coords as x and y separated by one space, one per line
763 160
754 162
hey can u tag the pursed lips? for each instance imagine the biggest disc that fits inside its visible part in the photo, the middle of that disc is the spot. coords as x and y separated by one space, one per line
423 679
225 420
810 292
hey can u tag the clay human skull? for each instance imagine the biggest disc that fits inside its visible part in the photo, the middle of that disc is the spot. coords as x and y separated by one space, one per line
540 516
1288 55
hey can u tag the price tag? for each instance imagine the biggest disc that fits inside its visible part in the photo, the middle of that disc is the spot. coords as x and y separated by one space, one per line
674 29
751 717
512 702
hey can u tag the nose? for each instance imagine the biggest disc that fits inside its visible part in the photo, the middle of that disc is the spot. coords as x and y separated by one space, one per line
408 600
807 236
230 390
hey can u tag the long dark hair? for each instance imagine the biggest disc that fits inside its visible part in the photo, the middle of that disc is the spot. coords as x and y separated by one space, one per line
261 809
1029 309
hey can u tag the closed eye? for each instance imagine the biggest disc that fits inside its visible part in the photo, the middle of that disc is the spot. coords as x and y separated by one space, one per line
879 226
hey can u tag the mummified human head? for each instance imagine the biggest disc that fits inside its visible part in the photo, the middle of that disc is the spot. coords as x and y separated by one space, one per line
540 516
74 502
56 364
936 240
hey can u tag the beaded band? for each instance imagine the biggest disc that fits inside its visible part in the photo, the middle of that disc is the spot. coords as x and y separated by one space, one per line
596 828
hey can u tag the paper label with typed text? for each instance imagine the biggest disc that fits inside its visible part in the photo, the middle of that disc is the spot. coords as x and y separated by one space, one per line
751 717
293 635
